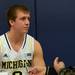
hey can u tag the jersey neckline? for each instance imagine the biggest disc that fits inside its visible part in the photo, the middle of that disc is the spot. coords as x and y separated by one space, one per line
9 44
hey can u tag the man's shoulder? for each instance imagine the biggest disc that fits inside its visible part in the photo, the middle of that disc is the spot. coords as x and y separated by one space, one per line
36 42
30 37
1 40
2 36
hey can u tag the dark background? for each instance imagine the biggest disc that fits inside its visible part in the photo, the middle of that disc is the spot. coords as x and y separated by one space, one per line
52 24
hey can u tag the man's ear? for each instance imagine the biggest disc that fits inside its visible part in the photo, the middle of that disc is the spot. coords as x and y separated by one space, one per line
11 22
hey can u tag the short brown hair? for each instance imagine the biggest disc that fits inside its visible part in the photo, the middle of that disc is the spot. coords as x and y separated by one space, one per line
11 14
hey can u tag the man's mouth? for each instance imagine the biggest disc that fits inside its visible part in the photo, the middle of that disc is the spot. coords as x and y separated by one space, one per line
26 28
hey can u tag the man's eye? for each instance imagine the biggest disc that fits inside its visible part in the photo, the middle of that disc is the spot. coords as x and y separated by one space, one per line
23 18
29 18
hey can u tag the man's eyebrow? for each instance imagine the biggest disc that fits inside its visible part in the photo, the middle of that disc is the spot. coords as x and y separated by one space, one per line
24 17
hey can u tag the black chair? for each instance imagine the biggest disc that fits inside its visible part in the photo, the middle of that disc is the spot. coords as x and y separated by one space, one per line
67 71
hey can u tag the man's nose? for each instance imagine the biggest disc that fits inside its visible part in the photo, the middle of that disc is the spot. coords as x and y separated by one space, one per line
27 22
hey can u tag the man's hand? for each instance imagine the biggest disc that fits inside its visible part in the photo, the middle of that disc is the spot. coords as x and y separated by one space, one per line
37 70
58 65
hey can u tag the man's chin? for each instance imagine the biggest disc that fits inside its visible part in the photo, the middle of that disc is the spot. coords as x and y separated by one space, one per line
25 31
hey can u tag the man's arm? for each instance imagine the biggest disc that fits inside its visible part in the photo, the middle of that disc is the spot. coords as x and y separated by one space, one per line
38 64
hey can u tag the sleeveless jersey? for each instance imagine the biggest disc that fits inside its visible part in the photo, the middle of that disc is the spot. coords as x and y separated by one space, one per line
16 63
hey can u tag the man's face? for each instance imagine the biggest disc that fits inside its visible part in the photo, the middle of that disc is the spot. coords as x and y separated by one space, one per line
22 22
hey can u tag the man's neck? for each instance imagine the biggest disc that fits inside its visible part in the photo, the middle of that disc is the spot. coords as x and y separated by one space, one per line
15 37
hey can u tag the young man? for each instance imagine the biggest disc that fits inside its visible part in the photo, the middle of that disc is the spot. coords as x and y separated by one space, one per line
20 53
18 50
